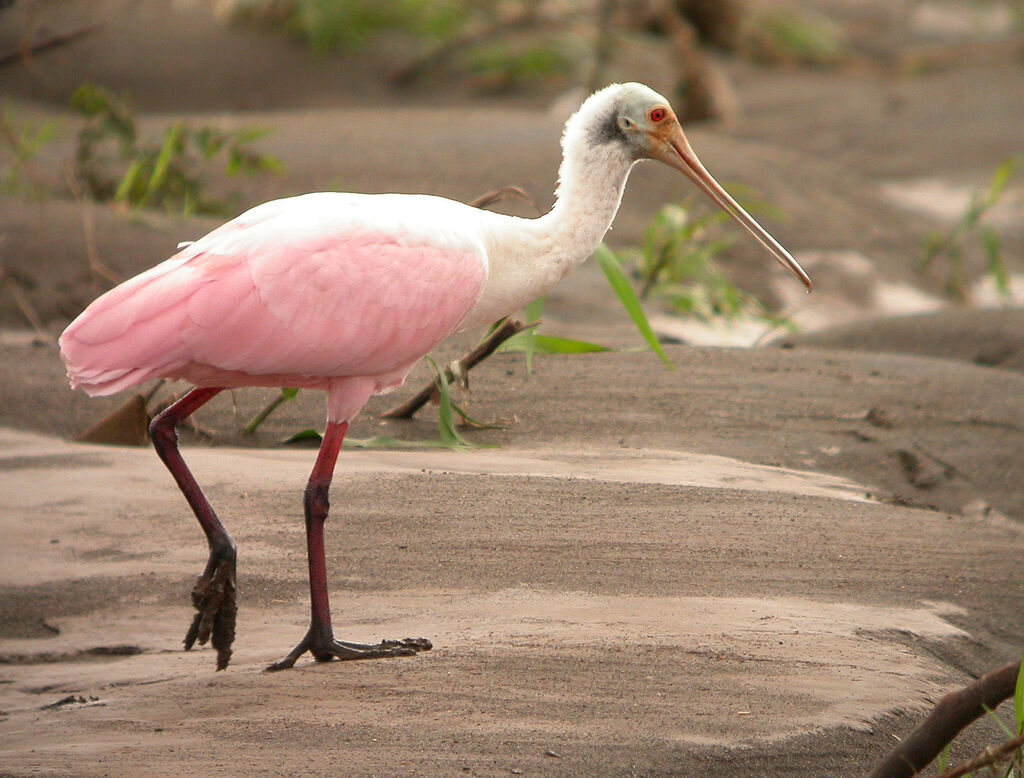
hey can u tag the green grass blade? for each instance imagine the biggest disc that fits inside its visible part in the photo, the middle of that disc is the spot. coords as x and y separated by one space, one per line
550 344
943 759
286 395
999 722
996 268
533 313
1018 699
999 181
449 434
303 435
129 182
170 149
624 290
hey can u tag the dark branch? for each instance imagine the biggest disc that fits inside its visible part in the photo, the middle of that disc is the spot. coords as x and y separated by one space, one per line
952 713
487 346
28 49
483 350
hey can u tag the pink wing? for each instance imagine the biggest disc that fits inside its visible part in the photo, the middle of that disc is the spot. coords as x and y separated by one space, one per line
294 292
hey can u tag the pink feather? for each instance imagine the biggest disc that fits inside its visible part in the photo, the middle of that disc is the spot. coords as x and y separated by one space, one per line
296 292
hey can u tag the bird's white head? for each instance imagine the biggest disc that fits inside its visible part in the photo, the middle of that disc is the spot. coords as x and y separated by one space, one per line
637 122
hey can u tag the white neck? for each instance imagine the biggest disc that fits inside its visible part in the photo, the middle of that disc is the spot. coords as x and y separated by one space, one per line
528 257
591 182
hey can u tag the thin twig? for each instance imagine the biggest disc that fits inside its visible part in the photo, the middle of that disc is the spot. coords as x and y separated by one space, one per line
98 267
990 756
483 350
26 50
26 307
486 200
951 714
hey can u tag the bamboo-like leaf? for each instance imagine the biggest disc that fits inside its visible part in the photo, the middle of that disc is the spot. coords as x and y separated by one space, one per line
624 290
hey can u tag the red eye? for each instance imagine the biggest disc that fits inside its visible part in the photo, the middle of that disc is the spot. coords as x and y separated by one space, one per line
657 114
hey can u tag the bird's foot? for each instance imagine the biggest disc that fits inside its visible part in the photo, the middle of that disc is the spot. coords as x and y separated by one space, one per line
325 648
214 599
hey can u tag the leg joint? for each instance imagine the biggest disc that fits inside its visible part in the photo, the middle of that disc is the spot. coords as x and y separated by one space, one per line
316 501
163 432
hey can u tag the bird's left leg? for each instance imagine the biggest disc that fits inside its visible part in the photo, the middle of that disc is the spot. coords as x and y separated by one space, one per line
319 640
214 592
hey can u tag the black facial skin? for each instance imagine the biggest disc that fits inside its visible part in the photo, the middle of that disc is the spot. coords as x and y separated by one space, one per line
608 130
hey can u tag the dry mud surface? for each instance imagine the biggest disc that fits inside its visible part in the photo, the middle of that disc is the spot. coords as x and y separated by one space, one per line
618 583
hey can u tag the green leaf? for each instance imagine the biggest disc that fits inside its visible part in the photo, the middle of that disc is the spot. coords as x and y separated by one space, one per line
943 759
620 285
171 148
998 721
130 181
996 268
303 435
268 163
549 344
450 436
383 441
208 141
999 181
533 313
246 135
286 395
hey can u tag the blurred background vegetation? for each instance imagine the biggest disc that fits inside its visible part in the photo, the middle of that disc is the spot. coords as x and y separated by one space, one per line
154 106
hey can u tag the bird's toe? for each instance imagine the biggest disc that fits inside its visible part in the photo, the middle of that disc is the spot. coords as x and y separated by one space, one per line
326 650
213 597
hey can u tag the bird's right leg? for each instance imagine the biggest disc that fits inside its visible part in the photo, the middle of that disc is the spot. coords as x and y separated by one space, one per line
319 640
214 592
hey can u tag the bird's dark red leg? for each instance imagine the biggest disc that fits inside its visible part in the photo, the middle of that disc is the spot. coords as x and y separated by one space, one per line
319 640
214 592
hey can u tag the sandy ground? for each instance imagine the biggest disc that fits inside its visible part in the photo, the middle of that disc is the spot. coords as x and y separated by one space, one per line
765 562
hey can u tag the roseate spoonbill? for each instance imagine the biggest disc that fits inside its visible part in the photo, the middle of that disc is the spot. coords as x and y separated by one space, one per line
345 293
